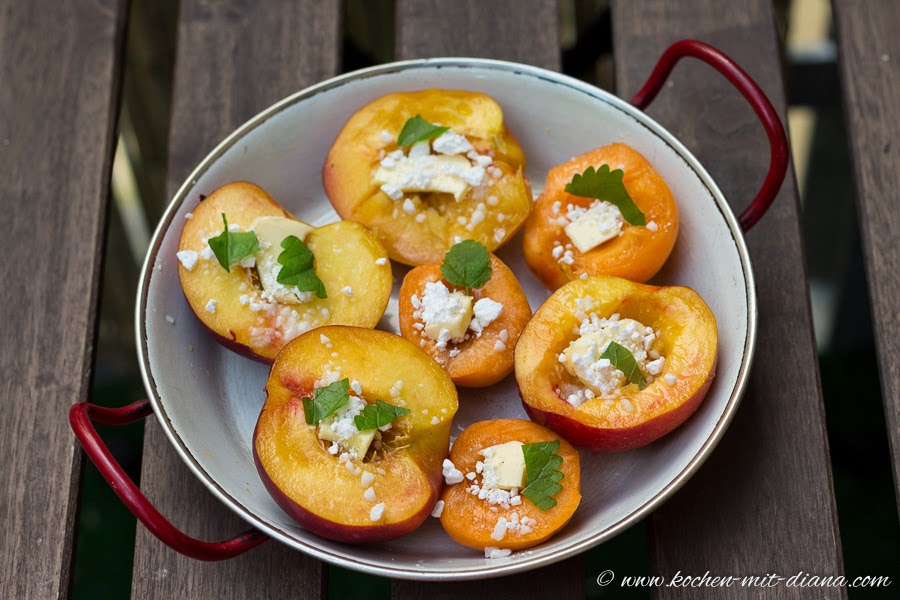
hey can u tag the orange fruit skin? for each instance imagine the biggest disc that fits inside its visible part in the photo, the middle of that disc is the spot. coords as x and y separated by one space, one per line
470 521
635 255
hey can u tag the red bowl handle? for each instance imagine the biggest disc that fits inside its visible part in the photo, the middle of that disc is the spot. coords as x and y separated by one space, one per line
751 91
82 417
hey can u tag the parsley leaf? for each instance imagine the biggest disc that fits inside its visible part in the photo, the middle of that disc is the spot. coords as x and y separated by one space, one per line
624 361
297 267
378 415
542 472
467 264
325 401
232 247
605 185
418 129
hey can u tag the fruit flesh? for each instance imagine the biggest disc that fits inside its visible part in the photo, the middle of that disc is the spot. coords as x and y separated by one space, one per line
311 484
345 254
470 520
478 363
348 176
687 339
637 254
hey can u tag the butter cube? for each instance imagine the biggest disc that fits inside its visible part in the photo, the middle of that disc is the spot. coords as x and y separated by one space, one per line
454 316
504 466
429 173
359 442
598 224
271 231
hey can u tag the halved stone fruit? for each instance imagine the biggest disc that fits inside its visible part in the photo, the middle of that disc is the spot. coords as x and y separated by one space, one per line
420 227
637 253
634 417
471 521
235 307
480 360
327 493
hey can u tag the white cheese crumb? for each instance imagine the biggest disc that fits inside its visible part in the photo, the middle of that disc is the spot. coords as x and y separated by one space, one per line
333 448
347 290
485 312
324 339
211 306
248 262
652 226
499 346
392 191
420 218
356 387
244 299
188 259
499 530
670 379
583 276
369 494
450 472
381 261
234 227
504 335
386 137
376 512
170 319
366 479
438 509
450 143
408 207
435 420
188 216
492 552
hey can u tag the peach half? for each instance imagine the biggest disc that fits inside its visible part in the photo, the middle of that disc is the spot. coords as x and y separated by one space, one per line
637 253
328 493
481 360
233 305
418 227
472 521
628 417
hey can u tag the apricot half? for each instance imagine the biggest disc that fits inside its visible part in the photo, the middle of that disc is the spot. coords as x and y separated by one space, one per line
679 328
329 493
351 263
475 521
637 253
483 358
418 227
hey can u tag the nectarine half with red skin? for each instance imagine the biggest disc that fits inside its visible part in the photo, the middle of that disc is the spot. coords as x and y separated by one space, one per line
636 254
327 493
419 227
481 360
631 417
471 521
232 305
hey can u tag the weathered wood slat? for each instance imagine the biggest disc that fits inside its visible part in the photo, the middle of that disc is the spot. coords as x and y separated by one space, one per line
764 501
869 61
58 106
522 31
234 58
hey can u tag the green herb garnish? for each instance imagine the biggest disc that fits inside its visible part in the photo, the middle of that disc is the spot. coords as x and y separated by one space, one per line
467 264
378 415
604 184
297 267
325 401
624 361
542 472
418 129
232 247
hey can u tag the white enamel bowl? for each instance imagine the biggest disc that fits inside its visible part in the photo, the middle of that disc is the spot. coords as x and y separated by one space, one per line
207 398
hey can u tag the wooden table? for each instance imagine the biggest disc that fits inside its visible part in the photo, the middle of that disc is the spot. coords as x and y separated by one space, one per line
764 501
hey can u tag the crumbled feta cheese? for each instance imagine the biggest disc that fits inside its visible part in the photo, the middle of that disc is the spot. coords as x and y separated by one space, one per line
376 512
234 227
381 261
211 306
409 207
386 137
485 312
366 479
499 346
450 143
670 379
446 315
652 226
187 258
492 552
420 218
188 216
499 530
435 420
369 494
170 319
450 472
393 192
347 290
438 509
